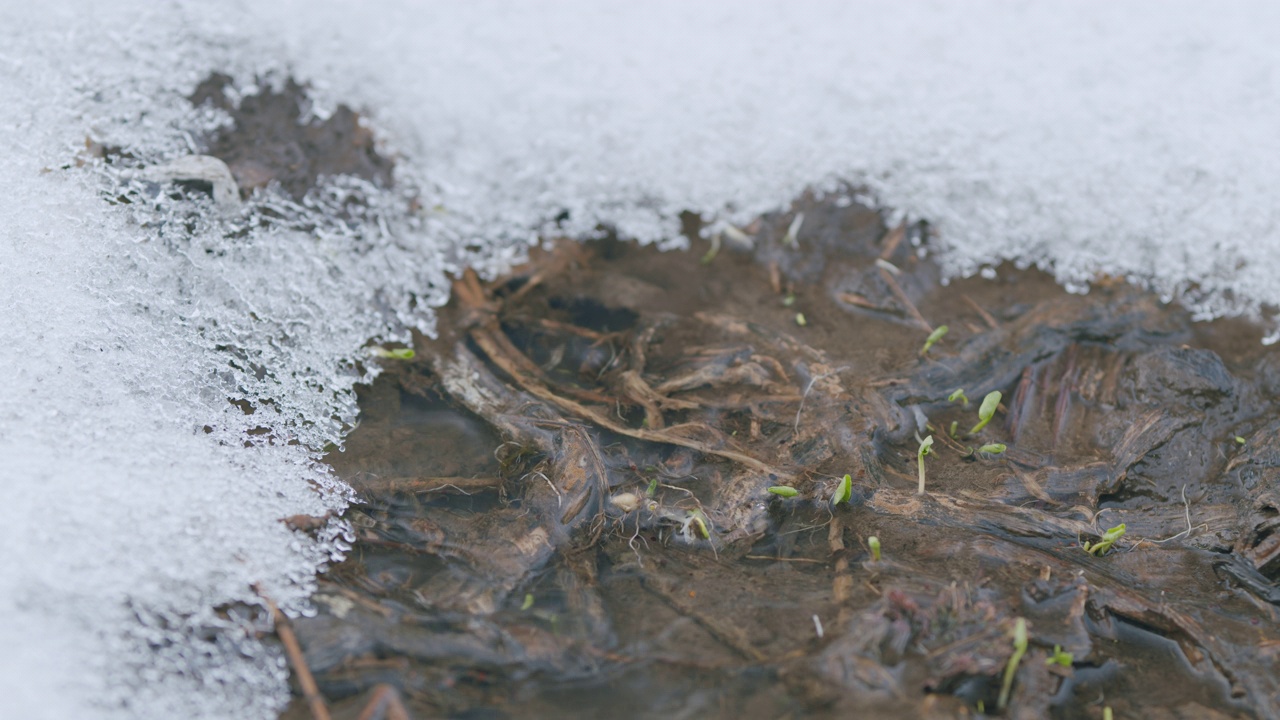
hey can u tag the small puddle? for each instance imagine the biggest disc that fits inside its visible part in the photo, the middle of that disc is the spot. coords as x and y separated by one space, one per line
568 507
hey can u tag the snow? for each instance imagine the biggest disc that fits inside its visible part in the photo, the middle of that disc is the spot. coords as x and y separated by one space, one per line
1136 139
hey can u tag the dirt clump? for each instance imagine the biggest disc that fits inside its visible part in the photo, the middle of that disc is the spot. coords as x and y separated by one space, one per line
273 137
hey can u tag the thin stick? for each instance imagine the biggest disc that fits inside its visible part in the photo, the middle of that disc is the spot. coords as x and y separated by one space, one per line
533 282
904 300
311 692
532 369
415 485
892 240
857 300
986 316
573 329
719 626
786 559
385 698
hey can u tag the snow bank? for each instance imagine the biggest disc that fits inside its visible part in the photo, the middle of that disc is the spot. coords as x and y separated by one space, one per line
1136 139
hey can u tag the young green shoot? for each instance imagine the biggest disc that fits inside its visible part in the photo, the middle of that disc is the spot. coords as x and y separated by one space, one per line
789 300
793 230
873 542
959 396
1019 649
800 320
934 337
737 237
1060 657
713 250
924 450
702 526
993 448
696 520
844 491
1106 713
1239 440
394 354
952 431
987 410
1109 538
652 489
784 491
528 602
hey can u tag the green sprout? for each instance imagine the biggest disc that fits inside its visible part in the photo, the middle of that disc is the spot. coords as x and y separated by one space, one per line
1019 649
528 602
395 354
784 491
793 231
1106 713
800 320
1239 440
873 542
1060 656
789 300
993 448
959 395
934 337
844 491
652 489
987 410
696 519
712 251
952 432
1109 538
924 450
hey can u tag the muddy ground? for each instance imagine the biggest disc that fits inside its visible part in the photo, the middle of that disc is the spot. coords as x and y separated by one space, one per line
608 488
569 510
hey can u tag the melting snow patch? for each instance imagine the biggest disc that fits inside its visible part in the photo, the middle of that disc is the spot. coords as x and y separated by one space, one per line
142 504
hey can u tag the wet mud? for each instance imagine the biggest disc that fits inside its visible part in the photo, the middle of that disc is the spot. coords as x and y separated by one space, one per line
568 506
277 136
276 157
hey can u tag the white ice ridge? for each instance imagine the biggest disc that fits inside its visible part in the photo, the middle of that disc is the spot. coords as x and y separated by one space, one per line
1131 138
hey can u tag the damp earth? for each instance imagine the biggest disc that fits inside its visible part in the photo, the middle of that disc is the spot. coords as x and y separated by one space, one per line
630 483
606 489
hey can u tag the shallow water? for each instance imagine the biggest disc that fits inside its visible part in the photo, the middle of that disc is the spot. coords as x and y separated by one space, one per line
567 510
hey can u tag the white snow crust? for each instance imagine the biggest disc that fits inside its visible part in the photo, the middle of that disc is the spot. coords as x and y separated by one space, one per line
1137 139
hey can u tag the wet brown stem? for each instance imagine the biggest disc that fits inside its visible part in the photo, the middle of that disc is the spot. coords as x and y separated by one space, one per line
311 692
385 703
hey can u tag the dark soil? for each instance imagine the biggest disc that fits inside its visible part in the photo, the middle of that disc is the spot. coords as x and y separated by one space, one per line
568 511
273 138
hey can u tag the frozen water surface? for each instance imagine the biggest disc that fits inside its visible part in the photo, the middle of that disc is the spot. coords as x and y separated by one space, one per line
1135 139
